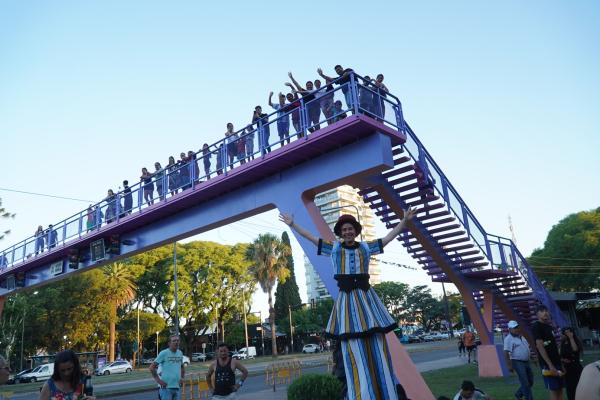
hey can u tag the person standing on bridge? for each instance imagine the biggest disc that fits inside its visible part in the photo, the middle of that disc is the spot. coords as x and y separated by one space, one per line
223 369
148 186
39 240
172 370
359 320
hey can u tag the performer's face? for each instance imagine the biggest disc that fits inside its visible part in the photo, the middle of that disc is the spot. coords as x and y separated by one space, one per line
348 232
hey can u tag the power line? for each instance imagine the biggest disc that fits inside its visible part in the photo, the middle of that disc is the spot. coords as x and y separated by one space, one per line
562 258
46 195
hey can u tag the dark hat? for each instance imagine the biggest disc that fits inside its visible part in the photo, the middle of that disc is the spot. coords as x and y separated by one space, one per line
346 219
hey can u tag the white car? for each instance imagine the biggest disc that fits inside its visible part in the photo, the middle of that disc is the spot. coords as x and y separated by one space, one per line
39 373
115 367
186 361
198 357
310 348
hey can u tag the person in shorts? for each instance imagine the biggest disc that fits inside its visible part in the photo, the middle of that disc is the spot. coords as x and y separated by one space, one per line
469 340
249 135
548 355
283 119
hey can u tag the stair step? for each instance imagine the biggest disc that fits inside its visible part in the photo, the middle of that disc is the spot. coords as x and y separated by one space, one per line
397 171
397 150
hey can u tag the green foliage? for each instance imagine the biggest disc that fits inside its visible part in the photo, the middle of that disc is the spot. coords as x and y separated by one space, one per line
393 295
424 308
287 293
315 387
574 241
308 320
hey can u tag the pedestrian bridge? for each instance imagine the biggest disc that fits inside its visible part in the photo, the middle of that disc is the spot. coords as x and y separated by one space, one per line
365 143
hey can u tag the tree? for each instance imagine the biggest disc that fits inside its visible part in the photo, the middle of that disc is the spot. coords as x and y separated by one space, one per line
4 214
150 323
287 294
393 295
211 278
571 246
119 290
423 307
269 265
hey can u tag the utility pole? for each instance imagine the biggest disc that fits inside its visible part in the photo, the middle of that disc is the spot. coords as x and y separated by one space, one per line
262 333
245 320
176 288
291 329
138 335
447 310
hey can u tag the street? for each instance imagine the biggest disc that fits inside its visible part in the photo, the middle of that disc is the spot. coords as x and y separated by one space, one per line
427 356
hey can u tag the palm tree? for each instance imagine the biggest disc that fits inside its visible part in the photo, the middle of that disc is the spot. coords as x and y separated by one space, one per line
119 290
269 264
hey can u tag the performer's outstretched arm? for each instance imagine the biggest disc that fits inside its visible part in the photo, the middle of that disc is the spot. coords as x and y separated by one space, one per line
289 221
408 214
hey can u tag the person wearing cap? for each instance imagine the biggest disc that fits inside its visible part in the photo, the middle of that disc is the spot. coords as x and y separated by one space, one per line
359 320
517 354
548 356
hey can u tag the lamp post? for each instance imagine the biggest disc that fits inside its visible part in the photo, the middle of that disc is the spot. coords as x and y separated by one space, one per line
176 288
157 343
245 319
447 311
291 329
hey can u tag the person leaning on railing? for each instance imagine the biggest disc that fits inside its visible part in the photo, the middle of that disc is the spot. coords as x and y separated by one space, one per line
343 77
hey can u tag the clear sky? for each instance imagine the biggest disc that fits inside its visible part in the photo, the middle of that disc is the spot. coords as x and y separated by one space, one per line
505 96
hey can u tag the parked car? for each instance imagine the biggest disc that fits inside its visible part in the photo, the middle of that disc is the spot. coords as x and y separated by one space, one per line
245 353
414 339
311 348
115 367
196 357
17 377
39 373
147 361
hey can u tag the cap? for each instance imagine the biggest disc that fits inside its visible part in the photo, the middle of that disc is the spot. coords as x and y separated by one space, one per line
512 324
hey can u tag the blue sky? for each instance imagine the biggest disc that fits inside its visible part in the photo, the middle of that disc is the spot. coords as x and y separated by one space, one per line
505 95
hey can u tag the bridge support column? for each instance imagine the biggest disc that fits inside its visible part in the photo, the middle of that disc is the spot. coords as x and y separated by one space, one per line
308 216
490 355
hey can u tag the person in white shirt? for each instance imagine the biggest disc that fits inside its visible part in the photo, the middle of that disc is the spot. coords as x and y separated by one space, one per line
468 391
517 354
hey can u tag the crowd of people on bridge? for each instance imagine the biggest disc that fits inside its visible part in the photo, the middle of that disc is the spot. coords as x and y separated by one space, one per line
239 146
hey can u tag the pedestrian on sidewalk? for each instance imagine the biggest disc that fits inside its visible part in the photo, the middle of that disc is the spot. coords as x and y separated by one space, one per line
461 347
469 340
548 356
172 370
571 350
223 369
517 353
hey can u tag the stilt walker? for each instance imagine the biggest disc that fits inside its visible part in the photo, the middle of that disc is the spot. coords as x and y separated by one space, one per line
359 320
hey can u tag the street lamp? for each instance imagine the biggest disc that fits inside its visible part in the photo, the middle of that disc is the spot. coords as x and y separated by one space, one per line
245 319
291 329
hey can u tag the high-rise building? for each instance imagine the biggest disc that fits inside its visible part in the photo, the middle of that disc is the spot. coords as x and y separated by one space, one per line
333 203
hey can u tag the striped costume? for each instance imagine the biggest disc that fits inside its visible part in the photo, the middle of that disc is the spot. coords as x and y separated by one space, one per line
360 320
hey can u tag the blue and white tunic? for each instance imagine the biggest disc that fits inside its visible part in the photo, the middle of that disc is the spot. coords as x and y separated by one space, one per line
360 320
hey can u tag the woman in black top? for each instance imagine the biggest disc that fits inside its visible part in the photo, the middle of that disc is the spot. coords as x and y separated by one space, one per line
571 350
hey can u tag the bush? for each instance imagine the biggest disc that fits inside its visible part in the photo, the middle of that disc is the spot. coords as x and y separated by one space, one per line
315 387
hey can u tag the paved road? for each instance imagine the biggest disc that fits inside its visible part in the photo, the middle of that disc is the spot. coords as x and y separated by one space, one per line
427 356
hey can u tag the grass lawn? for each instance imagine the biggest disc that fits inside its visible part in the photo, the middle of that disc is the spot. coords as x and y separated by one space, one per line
446 382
